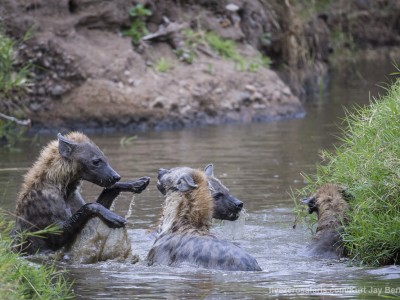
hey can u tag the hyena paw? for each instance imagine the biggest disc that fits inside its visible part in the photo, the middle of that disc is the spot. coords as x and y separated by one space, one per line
140 184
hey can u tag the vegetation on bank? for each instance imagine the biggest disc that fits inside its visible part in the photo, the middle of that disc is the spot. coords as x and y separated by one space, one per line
21 279
138 27
13 80
368 164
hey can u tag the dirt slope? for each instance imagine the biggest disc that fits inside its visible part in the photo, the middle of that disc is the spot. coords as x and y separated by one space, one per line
88 75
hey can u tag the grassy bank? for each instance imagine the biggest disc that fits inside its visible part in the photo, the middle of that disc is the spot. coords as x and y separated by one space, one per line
21 279
368 164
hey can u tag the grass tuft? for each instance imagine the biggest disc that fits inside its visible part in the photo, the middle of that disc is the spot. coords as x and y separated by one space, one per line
163 65
21 279
368 164
138 27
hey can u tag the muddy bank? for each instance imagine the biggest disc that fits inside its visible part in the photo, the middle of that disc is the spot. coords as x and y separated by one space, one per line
87 74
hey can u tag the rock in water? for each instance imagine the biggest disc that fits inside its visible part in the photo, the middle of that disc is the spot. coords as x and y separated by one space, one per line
98 242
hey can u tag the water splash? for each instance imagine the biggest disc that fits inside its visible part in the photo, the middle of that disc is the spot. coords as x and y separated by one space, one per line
129 213
233 230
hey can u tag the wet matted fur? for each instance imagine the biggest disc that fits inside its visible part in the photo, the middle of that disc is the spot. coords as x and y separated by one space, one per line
185 237
330 205
50 193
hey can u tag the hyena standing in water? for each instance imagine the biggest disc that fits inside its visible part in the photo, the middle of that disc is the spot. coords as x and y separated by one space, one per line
225 205
330 205
50 192
185 236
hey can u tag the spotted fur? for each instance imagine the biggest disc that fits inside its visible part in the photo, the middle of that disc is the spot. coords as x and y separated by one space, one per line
50 193
185 236
330 205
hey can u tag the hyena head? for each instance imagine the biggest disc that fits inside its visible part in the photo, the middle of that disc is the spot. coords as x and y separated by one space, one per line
188 202
226 206
91 163
329 203
175 179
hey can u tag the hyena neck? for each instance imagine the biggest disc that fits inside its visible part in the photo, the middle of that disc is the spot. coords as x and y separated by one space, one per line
50 169
170 216
186 211
331 214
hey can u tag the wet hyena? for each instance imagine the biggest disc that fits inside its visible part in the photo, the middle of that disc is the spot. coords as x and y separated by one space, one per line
50 192
226 206
185 236
330 205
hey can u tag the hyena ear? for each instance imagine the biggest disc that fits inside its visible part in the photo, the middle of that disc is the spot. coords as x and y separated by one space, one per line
209 170
65 146
310 202
346 194
185 183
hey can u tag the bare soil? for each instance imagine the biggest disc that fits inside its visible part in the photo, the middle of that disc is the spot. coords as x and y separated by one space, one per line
88 75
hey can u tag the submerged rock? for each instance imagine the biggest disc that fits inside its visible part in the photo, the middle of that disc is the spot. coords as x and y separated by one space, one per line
98 242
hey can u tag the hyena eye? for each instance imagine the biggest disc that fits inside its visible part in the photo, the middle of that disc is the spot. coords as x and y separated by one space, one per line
96 161
218 196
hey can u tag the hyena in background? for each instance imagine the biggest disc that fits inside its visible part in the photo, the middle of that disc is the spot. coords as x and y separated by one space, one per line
185 237
226 206
330 205
50 192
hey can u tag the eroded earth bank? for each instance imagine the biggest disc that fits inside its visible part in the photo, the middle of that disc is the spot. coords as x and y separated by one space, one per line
87 73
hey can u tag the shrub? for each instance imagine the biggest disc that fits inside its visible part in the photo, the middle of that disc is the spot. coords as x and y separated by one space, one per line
138 27
13 79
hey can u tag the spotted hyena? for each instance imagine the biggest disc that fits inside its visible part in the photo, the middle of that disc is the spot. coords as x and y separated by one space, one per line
226 206
185 236
330 206
50 193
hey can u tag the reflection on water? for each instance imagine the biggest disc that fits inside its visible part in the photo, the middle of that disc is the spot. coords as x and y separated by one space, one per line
260 163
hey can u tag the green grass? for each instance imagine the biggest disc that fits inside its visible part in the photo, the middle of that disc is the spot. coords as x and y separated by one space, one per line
225 48
21 279
13 80
138 27
162 65
368 164
228 49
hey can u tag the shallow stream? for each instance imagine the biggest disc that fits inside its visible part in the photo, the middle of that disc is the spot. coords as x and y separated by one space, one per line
261 164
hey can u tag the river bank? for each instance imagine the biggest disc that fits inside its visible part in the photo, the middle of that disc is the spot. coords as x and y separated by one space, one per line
366 163
21 279
87 74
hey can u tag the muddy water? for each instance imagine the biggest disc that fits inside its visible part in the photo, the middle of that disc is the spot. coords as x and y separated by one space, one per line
260 163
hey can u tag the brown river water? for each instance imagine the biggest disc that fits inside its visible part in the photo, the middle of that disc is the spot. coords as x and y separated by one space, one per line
261 164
